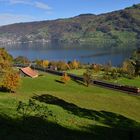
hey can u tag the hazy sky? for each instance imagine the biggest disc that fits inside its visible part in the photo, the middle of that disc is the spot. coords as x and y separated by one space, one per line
13 11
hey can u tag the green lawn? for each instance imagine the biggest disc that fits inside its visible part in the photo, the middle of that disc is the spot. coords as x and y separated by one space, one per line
77 71
81 71
124 81
131 82
81 112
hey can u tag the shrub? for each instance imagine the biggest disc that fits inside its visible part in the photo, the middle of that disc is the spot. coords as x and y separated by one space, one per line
107 67
62 65
96 68
21 60
65 78
104 28
88 75
106 77
128 67
114 74
74 64
59 65
45 63
39 62
31 108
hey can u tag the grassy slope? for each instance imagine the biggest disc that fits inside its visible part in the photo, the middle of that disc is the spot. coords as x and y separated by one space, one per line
84 101
124 81
131 82
91 98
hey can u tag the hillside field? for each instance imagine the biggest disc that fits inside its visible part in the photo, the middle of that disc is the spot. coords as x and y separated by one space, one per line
81 112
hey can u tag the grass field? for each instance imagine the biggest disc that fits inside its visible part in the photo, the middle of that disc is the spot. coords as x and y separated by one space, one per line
124 81
131 82
77 71
81 112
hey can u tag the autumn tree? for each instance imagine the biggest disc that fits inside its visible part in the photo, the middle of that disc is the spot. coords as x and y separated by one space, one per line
128 67
65 78
45 63
88 76
96 68
62 65
5 56
11 81
5 61
21 60
39 62
74 64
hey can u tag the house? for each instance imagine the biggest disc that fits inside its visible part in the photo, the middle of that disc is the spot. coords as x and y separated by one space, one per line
27 71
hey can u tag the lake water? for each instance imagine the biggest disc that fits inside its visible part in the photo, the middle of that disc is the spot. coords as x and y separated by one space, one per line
84 54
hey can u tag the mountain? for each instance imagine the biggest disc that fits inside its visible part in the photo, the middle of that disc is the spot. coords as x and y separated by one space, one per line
118 28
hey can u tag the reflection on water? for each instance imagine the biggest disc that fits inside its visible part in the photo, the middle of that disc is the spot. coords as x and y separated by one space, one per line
84 54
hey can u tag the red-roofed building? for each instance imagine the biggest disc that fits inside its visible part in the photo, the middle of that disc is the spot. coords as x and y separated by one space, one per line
27 71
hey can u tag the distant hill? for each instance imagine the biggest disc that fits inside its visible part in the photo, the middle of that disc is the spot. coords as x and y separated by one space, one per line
118 28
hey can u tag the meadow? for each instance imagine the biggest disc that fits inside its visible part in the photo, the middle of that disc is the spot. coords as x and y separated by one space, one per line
121 80
80 112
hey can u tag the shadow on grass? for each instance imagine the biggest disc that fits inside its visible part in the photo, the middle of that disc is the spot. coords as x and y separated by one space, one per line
37 129
113 120
79 82
3 89
58 81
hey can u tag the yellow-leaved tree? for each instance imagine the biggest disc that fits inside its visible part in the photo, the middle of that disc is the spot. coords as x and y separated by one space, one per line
65 78
74 64
11 81
45 63
9 78
5 61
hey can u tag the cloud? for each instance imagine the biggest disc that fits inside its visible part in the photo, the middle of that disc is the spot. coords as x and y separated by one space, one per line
8 18
42 5
12 2
19 2
35 4
14 17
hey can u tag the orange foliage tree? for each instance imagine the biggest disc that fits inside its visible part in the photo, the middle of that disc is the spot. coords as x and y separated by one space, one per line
11 81
5 61
65 78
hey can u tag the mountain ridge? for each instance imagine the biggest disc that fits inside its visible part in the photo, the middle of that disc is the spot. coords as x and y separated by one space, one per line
117 28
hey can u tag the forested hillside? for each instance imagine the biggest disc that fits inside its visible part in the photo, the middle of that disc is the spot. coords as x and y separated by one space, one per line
118 28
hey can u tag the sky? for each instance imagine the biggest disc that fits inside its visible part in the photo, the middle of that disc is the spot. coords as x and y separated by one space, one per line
16 11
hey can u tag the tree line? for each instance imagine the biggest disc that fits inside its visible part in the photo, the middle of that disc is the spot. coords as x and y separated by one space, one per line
10 77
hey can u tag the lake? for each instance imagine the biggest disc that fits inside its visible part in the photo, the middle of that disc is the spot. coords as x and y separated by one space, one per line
84 54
